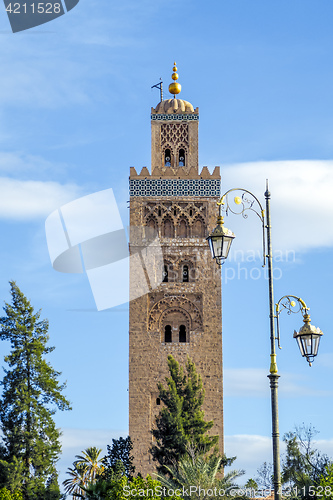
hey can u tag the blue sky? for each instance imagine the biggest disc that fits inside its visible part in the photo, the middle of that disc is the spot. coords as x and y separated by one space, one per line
75 99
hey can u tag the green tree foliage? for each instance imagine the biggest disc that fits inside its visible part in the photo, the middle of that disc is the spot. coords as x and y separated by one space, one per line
7 495
31 395
120 487
303 465
251 484
196 475
11 474
119 453
181 421
325 489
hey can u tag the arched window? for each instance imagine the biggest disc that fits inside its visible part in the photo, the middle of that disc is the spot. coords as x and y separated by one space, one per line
181 158
167 334
182 229
165 274
167 158
158 401
168 229
182 333
185 274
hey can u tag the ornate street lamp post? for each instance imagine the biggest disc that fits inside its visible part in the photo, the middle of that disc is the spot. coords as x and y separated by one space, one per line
308 336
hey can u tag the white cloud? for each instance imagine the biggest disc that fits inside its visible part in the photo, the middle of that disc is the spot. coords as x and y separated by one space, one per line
301 203
32 199
324 446
252 450
252 382
17 163
79 439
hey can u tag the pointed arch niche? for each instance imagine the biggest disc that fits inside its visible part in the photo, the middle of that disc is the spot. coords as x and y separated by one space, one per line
168 228
151 230
198 228
183 228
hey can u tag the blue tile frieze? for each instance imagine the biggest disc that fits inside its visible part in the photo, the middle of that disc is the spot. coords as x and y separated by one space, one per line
175 187
175 116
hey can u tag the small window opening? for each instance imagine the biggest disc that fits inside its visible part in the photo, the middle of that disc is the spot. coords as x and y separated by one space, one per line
159 212
181 158
185 274
182 333
165 274
175 212
167 158
158 401
191 212
167 334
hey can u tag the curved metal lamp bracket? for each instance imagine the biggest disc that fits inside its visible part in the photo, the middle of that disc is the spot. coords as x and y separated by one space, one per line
287 302
240 205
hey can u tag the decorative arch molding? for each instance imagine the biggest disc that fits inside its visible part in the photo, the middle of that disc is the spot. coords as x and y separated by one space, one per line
176 211
151 227
174 303
168 227
183 227
198 228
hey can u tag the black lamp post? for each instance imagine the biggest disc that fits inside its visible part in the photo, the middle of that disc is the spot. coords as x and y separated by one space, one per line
308 336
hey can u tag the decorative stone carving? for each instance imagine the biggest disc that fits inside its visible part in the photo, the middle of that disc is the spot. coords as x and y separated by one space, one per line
170 304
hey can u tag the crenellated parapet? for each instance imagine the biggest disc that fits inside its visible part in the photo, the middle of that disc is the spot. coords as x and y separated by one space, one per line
170 173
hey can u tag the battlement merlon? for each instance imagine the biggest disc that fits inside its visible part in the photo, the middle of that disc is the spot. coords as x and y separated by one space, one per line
175 173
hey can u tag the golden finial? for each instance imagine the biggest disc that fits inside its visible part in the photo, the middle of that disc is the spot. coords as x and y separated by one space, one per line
174 87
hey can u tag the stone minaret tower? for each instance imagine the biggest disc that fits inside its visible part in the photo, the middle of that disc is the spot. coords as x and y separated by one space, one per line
179 312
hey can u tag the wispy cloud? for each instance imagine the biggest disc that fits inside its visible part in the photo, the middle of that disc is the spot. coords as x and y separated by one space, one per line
252 382
301 203
24 200
251 451
17 163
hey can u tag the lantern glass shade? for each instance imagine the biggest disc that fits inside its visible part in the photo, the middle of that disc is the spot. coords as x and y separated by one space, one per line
220 242
219 247
308 341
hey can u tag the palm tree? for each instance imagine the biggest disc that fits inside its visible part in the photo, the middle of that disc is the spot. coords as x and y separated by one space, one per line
91 462
84 472
73 485
196 475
